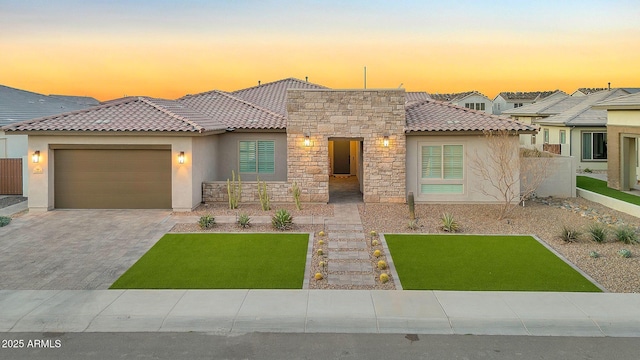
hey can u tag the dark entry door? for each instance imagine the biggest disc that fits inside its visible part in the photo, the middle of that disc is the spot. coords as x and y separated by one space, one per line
341 161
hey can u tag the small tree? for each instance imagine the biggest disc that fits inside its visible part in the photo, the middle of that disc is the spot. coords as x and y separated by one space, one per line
502 168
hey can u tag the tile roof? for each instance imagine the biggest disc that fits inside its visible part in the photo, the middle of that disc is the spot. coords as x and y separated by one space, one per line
631 101
234 112
125 114
432 115
582 113
82 100
18 105
273 95
588 91
415 96
453 96
531 95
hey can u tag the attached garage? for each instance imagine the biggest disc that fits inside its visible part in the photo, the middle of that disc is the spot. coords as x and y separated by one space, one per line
88 177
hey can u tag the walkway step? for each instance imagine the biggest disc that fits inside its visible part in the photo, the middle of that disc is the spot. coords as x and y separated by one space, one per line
345 227
351 280
345 235
336 245
351 266
348 255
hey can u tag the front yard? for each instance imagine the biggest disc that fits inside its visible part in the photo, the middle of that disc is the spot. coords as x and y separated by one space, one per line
481 263
220 261
600 187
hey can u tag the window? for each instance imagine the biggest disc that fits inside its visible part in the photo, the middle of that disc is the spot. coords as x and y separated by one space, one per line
594 146
475 106
563 136
546 136
442 169
257 156
517 105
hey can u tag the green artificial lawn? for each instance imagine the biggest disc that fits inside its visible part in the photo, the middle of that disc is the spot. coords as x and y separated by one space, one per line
220 261
600 187
482 263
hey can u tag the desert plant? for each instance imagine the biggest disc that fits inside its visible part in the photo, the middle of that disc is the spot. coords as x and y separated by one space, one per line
282 220
384 278
598 232
295 189
4 221
412 224
244 221
382 265
234 190
374 243
569 234
318 276
625 253
587 170
206 221
321 233
264 195
373 233
321 264
449 224
412 206
376 253
594 254
319 252
626 234
320 242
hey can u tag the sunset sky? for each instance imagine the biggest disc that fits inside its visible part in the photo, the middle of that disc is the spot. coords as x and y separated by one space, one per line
112 48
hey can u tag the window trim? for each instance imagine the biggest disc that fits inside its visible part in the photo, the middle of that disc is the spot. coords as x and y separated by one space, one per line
582 158
257 156
563 137
441 181
545 136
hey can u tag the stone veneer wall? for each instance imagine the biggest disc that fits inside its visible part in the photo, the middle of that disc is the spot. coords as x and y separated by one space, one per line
614 168
364 115
216 191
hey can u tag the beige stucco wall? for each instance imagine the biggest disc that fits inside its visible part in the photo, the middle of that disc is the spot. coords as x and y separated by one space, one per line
472 145
186 188
623 117
621 123
361 115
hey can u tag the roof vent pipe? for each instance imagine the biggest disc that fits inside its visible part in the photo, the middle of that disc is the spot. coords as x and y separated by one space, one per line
609 86
258 82
306 78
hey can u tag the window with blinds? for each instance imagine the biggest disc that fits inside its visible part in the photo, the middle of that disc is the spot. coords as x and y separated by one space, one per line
442 170
257 156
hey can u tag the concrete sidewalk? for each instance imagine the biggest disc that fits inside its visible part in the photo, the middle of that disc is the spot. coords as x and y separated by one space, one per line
317 311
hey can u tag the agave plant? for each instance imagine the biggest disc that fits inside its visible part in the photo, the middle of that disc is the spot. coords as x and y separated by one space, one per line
282 220
449 224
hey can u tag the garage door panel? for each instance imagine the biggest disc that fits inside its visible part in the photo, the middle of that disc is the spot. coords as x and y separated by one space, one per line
112 179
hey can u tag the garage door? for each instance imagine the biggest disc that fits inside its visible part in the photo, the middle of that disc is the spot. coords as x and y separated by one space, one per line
112 179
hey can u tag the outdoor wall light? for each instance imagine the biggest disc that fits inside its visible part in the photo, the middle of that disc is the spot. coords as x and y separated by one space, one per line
307 139
36 156
385 141
181 157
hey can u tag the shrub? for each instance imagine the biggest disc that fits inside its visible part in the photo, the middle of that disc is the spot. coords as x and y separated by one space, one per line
373 233
318 276
374 243
264 195
382 265
320 242
206 221
319 252
4 221
624 253
449 224
587 170
321 264
598 232
594 254
569 234
376 253
412 224
282 220
295 189
384 278
244 221
626 234
321 233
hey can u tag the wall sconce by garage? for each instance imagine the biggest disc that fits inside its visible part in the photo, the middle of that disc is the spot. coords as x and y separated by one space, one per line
307 139
385 140
36 156
181 157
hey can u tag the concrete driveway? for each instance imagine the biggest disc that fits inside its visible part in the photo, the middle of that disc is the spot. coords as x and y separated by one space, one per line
76 249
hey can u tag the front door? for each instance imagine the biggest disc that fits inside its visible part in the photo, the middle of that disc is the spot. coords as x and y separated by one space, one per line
341 157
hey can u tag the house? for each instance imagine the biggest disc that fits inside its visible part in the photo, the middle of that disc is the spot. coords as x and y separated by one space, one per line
569 126
623 132
18 105
471 100
512 100
587 91
142 152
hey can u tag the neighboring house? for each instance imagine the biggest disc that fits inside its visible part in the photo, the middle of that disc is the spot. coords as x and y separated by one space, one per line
623 130
141 152
587 91
513 100
470 100
570 126
18 105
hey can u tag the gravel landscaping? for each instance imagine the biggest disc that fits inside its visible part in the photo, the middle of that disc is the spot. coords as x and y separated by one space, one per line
255 209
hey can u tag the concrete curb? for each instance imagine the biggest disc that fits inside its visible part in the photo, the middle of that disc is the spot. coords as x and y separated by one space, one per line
612 203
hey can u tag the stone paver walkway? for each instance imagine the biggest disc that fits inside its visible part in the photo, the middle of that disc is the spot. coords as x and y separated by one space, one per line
349 263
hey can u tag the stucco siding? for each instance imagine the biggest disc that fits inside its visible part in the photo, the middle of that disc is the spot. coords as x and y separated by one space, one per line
576 148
